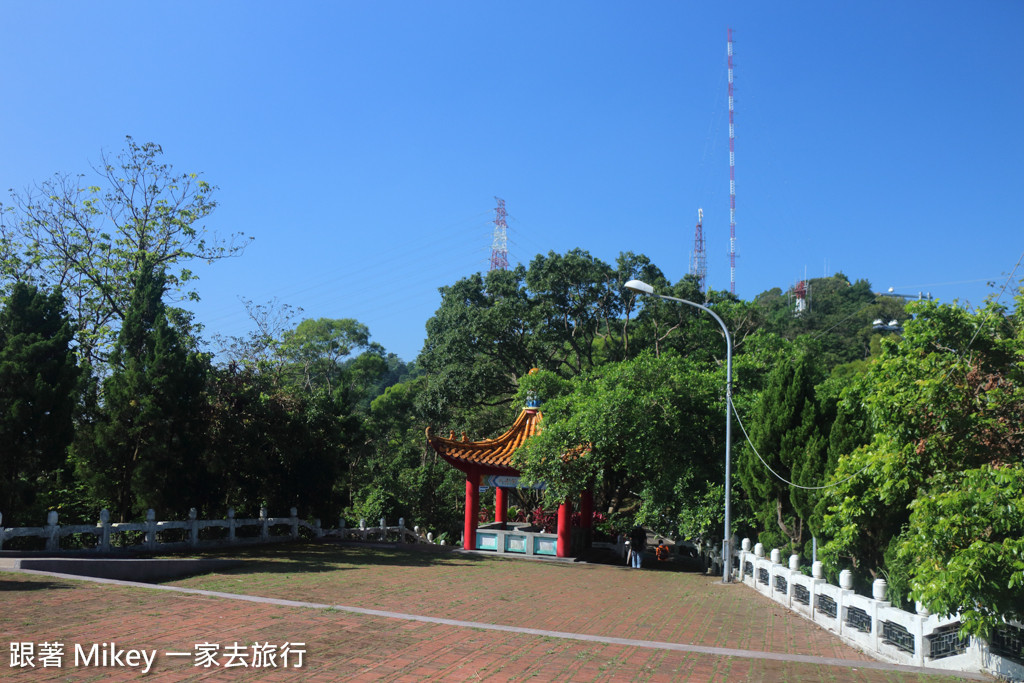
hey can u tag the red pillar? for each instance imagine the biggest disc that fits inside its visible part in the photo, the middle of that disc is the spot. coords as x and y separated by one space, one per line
564 544
500 506
472 509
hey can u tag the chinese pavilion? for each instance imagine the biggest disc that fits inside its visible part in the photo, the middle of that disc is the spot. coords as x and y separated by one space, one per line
478 459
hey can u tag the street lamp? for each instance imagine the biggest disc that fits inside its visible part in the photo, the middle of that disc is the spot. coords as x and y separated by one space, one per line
644 288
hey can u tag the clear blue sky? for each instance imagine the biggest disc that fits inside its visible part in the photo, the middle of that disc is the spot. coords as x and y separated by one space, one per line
362 143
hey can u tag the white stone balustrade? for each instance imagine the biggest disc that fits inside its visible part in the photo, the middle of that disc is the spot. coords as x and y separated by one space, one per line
115 536
871 624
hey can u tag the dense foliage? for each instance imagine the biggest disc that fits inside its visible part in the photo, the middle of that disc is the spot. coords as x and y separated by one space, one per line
899 450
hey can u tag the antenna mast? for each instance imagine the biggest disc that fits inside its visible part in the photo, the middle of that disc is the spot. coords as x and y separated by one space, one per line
732 183
499 245
699 262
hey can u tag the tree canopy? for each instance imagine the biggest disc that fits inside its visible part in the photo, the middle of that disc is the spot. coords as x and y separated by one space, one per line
90 236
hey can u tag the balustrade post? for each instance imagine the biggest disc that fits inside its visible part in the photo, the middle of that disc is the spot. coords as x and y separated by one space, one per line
264 525
794 570
401 529
919 620
231 525
362 527
104 540
193 528
878 589
151 529
52 531
341 528
846 586
318 532
817 578
294 523
744 558
383 530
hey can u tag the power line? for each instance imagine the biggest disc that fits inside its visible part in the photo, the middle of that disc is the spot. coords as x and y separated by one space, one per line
779 476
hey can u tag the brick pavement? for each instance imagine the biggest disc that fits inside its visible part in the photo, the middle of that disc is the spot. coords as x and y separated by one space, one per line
598 601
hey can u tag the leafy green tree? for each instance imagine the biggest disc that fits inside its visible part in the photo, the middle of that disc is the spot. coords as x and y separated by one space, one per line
147 442
480 342
944 404
90 237
964 546
398 475
567 313
782 427
579 301
38 387
646 433
317 348
269 445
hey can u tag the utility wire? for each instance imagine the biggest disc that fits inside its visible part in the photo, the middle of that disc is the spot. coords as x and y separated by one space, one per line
779 476
834 484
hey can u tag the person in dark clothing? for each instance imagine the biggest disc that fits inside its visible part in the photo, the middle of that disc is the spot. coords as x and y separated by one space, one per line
637 543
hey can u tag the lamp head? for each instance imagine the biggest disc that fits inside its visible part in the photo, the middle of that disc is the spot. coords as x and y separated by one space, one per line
639 287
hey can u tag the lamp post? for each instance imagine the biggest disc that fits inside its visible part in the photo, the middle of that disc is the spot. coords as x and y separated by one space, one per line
644 288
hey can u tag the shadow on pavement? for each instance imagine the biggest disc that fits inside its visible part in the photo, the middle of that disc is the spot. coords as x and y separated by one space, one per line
334 556
31 585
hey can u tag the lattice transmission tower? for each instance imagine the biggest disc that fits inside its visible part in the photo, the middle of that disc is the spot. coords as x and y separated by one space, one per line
499 245
699 258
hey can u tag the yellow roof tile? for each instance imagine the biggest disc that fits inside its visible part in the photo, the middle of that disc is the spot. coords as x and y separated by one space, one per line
490 455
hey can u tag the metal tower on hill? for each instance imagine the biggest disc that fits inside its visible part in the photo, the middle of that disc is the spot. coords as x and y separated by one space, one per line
732 183
699 259
499 245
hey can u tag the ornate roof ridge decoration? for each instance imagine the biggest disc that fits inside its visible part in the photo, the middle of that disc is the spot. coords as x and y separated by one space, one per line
490 456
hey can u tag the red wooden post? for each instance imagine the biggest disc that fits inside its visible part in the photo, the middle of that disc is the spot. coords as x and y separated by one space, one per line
472 509
564 544
500 506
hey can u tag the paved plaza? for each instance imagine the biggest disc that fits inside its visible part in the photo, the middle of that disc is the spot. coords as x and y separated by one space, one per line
377 613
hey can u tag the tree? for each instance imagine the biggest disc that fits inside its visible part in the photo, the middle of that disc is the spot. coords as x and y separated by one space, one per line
146 448
567 313
317 348
965 546
945 404
38 382
782 427
91 239
480 342
646 433
397 475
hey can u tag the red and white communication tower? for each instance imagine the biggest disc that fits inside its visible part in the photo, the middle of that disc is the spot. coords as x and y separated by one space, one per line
802 297
499 245
732 182
699 258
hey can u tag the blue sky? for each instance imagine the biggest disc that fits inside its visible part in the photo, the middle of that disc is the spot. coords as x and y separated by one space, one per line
362 144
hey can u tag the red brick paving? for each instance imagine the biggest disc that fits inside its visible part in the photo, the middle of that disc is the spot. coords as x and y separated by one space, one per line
600 600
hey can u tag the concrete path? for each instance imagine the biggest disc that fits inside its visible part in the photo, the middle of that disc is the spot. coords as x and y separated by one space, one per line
380 614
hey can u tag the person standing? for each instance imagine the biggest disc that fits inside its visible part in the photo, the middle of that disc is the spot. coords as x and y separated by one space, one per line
637 543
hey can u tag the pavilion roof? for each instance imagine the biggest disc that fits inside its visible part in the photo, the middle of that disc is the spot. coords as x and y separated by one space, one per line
490 456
